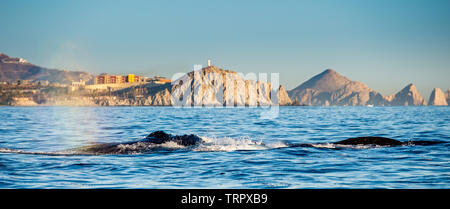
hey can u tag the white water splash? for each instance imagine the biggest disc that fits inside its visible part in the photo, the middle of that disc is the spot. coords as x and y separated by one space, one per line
142 147
227 144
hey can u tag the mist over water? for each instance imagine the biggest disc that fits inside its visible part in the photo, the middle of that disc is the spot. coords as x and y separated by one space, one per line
240 149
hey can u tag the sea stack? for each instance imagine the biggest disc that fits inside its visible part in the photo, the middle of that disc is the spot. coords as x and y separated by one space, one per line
437 98
447 96
408 96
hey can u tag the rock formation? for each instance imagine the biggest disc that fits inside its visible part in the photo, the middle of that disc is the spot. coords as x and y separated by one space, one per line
437 98
331 88
447 96
408 96
212 86
284 97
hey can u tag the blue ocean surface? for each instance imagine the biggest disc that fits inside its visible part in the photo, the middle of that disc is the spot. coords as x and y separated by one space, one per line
242 150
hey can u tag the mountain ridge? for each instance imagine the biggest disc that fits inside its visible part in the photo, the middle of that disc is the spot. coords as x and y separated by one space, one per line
329 88
13 69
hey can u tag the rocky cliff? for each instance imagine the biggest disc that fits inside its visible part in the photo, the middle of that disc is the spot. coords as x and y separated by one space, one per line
331 88
447 96
213 86
437 98
143 95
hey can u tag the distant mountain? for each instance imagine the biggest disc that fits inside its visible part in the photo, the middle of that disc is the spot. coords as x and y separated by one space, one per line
408 96
437 98
13 69
331 88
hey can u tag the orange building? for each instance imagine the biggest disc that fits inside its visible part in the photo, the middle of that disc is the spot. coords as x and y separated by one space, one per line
107 79
139 78
116 79
101 79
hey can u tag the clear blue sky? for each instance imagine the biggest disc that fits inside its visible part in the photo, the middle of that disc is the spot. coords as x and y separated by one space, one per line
383 43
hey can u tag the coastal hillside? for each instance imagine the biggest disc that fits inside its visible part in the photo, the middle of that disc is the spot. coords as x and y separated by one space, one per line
14 69
329 88
210 86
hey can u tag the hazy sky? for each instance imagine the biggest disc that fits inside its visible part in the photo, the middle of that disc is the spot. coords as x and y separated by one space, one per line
385 44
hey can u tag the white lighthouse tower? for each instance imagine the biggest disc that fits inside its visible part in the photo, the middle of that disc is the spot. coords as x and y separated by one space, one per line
209 62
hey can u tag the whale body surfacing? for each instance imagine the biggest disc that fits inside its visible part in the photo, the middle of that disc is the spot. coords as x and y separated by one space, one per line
370 140
367 141
147 144
157 140
160 140
382 141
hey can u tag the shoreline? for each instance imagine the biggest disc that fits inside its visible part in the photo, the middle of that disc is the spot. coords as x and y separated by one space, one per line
268 106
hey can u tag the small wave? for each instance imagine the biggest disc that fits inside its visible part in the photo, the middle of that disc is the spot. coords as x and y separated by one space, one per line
16 151
7 150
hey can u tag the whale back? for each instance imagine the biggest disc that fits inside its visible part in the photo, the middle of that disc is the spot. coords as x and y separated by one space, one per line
158 134
159 137
187 140
370 140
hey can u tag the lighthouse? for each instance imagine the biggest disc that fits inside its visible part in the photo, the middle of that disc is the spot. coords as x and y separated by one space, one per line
209 62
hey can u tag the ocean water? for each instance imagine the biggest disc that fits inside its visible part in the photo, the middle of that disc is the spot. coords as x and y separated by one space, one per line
240 149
